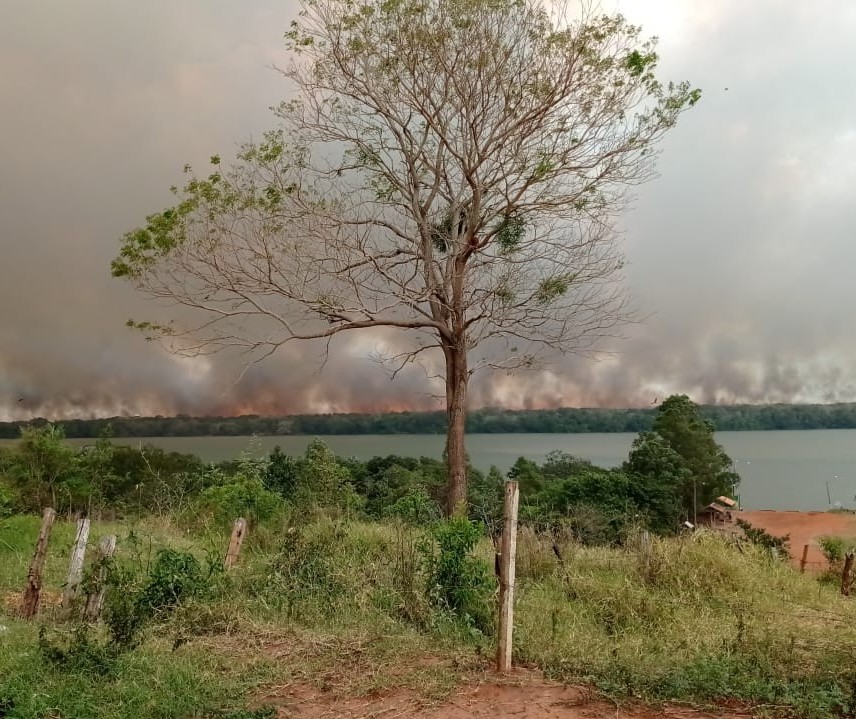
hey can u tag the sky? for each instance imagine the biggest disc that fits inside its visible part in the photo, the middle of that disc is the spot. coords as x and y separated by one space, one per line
741 253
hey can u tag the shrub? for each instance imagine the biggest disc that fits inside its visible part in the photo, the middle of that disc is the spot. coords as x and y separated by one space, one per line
409 601
414 508
756 535
131 601
241 497
79 653
834 549
302 576
174 577
457 581
7 501
324 483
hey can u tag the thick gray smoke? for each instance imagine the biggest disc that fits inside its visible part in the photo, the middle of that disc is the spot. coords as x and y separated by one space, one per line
741 251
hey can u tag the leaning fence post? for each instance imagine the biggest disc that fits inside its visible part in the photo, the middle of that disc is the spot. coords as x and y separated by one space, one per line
75 566
237 539
506 577
95 597
804 559
33 590
846 578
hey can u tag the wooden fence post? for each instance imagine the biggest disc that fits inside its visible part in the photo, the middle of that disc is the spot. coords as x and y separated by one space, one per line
506 578
846 574
804 559
75 566
235 542
95 598
33 589
645 551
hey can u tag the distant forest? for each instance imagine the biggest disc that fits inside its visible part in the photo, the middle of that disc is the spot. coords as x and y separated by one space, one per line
487 421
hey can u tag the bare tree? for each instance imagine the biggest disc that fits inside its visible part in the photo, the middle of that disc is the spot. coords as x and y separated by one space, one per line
451 168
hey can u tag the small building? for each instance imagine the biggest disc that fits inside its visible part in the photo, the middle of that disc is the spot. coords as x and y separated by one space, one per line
715 515
727 502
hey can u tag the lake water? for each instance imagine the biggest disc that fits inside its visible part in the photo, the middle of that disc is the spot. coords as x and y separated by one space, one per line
780 470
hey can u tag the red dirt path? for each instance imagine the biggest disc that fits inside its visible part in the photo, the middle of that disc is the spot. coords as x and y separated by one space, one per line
523 696
804 528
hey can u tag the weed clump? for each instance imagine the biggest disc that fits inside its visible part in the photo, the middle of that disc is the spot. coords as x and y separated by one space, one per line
458 582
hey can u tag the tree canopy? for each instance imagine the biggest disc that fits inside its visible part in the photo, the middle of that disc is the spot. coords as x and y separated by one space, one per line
486 420
449 169
706 471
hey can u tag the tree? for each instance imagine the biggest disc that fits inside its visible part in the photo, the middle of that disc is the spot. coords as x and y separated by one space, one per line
528 476
661 478
597 503
282 473
322 481
710 471
96 465
485 496
47 470
448 169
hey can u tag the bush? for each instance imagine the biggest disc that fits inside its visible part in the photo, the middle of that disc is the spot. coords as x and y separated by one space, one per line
303 576
131 601
7 501
536 556
175 576
79 653
408 596
242 497
323 483
756 535
457 581
414 508
834 549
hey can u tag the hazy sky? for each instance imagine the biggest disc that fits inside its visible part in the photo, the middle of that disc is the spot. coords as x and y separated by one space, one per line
742 250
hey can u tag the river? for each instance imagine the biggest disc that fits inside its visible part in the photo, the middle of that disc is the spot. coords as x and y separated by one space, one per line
779 470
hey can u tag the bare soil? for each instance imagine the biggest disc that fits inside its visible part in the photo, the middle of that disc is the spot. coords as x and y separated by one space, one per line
803 528
522 695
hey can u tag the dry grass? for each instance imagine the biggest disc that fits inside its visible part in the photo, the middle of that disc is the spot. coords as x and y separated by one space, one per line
705 619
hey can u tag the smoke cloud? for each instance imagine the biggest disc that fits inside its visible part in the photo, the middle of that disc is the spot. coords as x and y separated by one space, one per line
741 251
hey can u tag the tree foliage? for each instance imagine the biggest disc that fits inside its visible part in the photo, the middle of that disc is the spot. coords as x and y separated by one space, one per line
707 471
487 420
45 469
450 169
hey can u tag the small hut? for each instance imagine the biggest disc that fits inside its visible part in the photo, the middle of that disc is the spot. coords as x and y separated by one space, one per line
716 514
727 502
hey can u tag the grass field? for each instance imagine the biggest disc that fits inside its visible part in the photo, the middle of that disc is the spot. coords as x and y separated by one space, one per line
341 607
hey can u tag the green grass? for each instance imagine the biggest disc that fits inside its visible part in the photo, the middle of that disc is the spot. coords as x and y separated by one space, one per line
152 682
340 607
138 539
705 622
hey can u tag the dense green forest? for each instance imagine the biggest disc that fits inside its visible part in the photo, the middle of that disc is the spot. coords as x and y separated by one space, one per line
482 421
670 471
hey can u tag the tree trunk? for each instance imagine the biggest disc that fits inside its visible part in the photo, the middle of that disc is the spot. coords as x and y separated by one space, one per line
457 377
